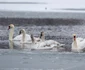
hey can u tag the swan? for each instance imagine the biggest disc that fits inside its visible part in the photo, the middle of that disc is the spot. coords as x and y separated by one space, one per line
22 37
44 44
50 42
78 44
33 45
25 38
41 45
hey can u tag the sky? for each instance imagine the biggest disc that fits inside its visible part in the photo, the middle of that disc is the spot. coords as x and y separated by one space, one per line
45 5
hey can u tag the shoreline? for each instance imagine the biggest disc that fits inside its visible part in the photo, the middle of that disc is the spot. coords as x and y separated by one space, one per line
42 15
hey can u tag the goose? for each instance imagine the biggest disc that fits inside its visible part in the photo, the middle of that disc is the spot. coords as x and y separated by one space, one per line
22 37
78 44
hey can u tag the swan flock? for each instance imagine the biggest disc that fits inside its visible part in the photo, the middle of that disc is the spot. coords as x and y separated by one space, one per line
30 41
78 44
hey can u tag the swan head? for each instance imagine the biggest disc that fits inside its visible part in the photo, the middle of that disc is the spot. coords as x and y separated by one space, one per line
32 38
74 37
10 26
31 35
22 31
42 34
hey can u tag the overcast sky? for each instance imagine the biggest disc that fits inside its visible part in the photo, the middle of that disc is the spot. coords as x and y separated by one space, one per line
50 4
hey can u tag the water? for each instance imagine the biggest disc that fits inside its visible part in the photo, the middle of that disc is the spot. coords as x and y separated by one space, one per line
40 60
14 58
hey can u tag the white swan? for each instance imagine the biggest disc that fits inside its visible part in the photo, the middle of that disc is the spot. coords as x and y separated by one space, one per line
41 45
50 42
78 44
44 44
33 45
27 38
22 37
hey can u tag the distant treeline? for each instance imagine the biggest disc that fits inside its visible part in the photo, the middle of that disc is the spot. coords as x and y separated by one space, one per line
40 21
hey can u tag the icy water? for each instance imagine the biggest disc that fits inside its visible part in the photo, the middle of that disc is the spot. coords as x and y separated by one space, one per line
40 60
61 30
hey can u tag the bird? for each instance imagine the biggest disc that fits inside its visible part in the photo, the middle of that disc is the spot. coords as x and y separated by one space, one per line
41 45
45 44
78 44
50 42
23 36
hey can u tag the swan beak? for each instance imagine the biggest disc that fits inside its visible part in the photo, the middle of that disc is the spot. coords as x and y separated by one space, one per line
8 27
74 38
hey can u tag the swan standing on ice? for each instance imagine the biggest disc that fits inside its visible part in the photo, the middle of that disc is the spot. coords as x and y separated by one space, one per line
22 37
78 44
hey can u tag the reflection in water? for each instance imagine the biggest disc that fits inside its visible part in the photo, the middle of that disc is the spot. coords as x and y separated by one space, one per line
15 45
19 45
11 45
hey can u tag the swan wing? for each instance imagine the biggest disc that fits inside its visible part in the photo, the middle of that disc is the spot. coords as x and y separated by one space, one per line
18 37
37 39
82 44
79 39
27 37
44 46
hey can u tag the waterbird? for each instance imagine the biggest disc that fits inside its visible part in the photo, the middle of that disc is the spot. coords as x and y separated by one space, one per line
78 44
46 44
22 37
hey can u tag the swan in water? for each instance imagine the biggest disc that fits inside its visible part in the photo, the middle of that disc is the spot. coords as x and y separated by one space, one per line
44 44
78 44
41 45
33 45
25 38
50 42
22 37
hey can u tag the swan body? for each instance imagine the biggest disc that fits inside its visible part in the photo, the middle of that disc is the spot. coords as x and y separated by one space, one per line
19 37
41 46
78 44
44 44
53 43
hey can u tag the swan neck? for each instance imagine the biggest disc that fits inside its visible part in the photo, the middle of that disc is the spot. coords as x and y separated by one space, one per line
75 43
42 38
23 36
11 33
10 44
33 40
